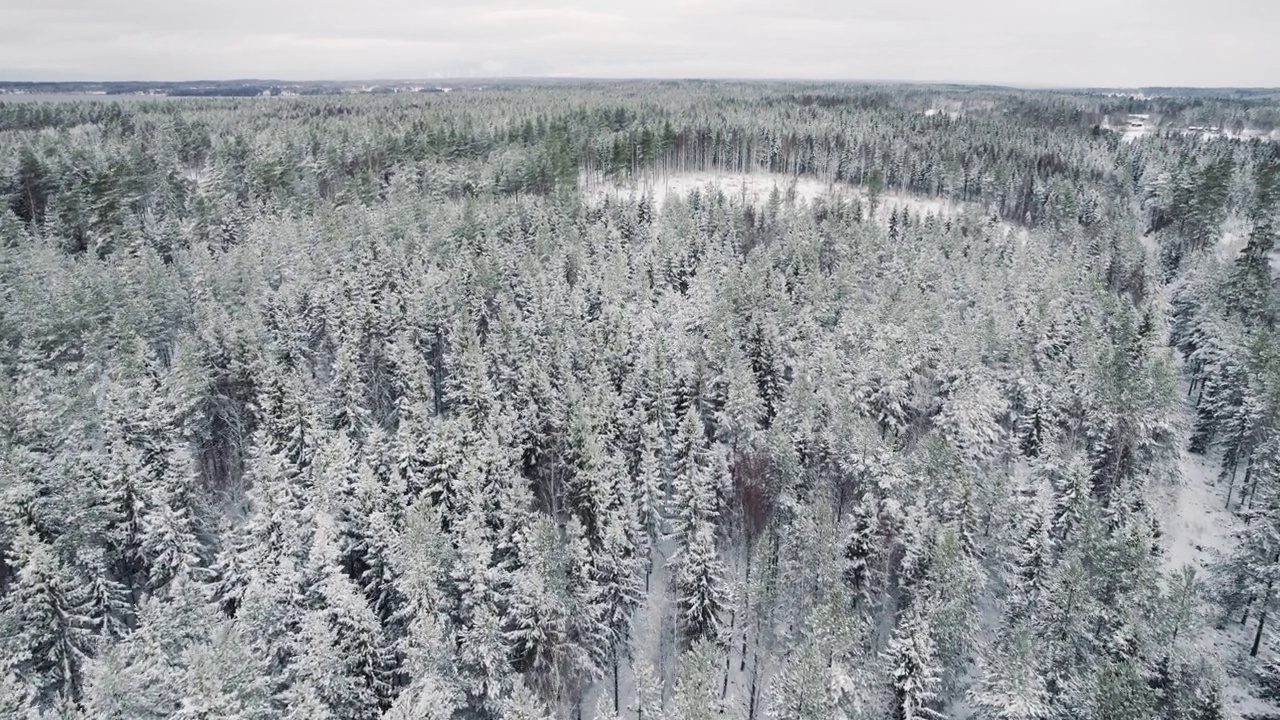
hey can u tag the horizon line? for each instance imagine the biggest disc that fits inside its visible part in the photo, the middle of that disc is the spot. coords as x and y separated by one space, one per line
588 78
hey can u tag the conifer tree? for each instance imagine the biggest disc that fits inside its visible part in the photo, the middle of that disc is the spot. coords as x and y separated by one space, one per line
913 669
48 623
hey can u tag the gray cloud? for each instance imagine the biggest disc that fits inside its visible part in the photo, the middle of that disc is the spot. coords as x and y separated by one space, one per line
1028 42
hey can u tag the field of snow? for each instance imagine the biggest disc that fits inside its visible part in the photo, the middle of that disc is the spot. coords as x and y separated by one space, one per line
1235 234
1131 127
1137 126
756 189
753 188
951 114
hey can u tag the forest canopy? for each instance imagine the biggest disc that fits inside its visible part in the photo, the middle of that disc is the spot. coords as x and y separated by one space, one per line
510 403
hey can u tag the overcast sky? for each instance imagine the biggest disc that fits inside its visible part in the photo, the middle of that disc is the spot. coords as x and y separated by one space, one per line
1022 42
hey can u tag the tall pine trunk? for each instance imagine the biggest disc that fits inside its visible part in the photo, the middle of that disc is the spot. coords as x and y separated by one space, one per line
1262 620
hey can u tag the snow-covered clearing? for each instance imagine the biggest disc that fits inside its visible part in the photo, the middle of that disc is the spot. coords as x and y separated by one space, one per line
1137 126
1235 236
757 188
752 188
1131 127
952 113
1211 133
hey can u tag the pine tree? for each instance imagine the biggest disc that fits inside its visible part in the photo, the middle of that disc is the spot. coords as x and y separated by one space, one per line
700 586
343 660
225 677
651 499
347 411
1013 684
969 419
695 484
420 559
125 500
954 583
48 623
478 584
697 690
859 549
913 670
615 571
135 677
1249 288
738 421
1030 573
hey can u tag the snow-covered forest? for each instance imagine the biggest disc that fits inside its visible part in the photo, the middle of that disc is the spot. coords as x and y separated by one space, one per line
641 401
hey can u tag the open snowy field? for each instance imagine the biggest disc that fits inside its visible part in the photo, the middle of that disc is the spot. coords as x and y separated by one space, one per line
759 187
748 188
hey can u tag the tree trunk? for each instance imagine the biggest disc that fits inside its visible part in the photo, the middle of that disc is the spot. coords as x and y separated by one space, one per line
1262 614
1253 491
728 666
616 708
648 570
1248 472
1232 485
728 655
742 667
1257 638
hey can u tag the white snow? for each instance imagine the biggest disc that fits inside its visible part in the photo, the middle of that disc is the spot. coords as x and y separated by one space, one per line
753 188
654 644
1235 235
1198 530
1131 127
1139 125
951 114
756 189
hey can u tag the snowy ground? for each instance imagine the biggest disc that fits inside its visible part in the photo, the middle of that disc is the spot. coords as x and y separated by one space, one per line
952 113
757 187
1131 127
653 644
1137 126
1198 530
1235 235
1246 134
753 188
650 647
